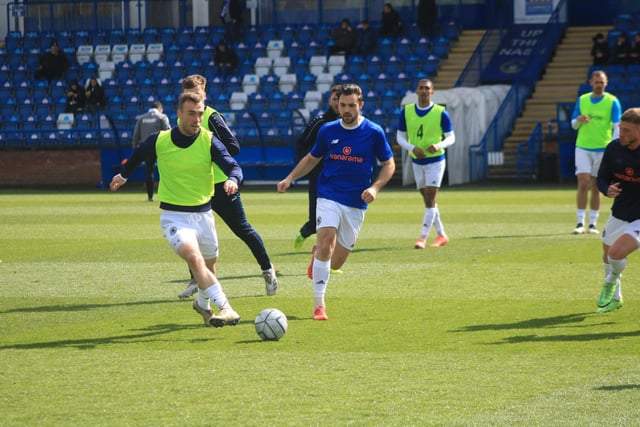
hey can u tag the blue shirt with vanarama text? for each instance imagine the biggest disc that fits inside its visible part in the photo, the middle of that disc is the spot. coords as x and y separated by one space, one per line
349 157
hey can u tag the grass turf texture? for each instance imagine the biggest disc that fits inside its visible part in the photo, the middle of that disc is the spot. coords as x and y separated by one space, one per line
496 328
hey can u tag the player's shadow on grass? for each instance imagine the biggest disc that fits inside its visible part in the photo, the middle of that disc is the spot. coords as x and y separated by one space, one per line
568 338
618 387
546 322
143 335
82 307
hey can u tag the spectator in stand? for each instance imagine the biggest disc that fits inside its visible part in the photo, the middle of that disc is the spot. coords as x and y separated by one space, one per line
427 17
600 50
634 53
344 38
94 94
231 16
391 23
225 60
367 39
621 50
53 64
153 121
75 98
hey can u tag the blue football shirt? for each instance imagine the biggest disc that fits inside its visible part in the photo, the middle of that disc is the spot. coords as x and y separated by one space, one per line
349 157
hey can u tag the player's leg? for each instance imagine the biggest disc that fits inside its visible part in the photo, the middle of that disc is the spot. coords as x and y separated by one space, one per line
420 175
208 246
231 210
584 165
150 183
435 174
594 202
429 196
618 241
309 227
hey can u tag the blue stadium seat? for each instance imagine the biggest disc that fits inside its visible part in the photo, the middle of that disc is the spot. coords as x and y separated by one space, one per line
150 35
26 106
22 90
403 47
116 36
393 65
440 47
44 106
84 121
29 122
47 122
167 36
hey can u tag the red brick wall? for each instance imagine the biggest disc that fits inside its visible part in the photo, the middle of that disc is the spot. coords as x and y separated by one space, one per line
50 167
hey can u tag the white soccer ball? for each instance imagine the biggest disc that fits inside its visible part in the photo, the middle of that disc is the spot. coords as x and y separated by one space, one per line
271 324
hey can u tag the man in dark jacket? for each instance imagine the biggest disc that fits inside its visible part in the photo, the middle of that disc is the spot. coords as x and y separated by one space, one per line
53 64
303 145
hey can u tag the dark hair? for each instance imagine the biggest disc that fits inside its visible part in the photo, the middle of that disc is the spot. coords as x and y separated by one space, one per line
351 89
157 105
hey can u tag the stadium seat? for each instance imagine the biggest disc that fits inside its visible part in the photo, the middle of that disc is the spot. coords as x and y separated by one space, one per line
324 81
84 53
101 53
275 48
317 64
281 65
119 52
250 83
288 83
335 64
154 52
263 66
150 35
312 99
238 101
65 121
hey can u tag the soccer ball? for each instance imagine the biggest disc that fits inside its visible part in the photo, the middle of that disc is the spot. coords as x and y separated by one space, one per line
271 324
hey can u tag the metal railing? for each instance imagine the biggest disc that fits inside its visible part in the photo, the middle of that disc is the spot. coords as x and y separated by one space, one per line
513 103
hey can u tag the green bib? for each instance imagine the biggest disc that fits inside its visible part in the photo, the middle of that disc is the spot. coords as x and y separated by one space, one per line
424 131
186 174
596 134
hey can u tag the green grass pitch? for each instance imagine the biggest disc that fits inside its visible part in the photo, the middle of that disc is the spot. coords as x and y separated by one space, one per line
498 328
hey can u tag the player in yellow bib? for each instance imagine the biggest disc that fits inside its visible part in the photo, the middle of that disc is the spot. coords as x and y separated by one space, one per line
596 117
229 207
425 130
185 156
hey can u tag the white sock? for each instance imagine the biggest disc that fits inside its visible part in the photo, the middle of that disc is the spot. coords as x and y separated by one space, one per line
618 294
437 224
607 269
580 213
593 217
427 222
203 299
321 271
617 267
217 295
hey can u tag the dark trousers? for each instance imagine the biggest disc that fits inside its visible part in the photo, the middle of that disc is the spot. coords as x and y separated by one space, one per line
309 227
230 209
149 169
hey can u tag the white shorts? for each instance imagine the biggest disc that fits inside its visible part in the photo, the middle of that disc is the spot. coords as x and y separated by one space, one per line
429 175
614 228
198 228
345 219
588 161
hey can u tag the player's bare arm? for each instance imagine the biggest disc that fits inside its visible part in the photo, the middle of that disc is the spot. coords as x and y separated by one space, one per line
303 167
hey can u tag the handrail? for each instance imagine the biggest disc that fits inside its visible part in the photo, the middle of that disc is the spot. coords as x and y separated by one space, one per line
513 103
